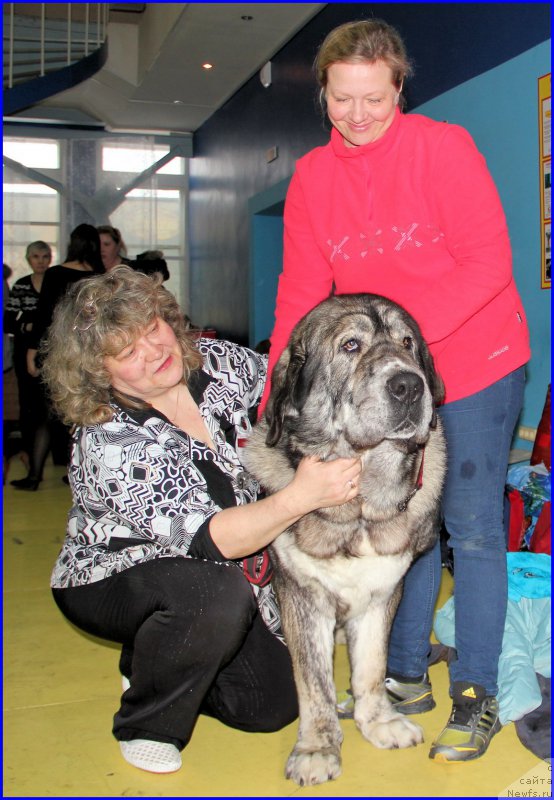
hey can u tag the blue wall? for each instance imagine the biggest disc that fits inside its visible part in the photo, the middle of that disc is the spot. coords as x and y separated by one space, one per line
266 263
475 63
500 109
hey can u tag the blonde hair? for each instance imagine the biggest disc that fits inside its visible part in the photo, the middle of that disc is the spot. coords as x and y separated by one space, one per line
98 317
367 40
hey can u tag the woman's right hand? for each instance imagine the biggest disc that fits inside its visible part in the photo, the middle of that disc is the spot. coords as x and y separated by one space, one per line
321 484
242 530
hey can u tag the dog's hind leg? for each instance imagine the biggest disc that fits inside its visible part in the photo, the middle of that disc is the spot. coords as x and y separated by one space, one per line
374 715
316 754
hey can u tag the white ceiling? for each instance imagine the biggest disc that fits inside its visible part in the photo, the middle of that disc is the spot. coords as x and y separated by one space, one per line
153 79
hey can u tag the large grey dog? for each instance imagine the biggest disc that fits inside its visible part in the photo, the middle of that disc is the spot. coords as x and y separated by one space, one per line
356 379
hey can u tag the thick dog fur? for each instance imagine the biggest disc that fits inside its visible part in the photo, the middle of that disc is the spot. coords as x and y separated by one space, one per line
356 379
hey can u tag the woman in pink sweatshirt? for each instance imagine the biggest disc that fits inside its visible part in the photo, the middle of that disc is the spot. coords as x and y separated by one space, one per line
403 206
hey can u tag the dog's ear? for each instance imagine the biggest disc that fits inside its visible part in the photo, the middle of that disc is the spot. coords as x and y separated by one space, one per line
434 380
291 381
274 411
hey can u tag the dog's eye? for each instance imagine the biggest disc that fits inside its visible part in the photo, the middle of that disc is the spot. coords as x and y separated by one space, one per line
408 342
351 346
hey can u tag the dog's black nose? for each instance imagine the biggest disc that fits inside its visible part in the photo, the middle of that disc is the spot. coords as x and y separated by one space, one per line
406 387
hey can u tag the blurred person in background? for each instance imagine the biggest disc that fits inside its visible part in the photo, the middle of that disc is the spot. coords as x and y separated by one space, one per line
19 315
112 247
151 261
83 259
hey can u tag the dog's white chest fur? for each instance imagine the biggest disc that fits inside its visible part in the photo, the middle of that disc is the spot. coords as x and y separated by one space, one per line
354 581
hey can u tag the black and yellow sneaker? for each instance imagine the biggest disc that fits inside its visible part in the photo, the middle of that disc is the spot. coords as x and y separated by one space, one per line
472 724
410 697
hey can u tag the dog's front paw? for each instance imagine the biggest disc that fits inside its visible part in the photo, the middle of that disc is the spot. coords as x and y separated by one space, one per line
394 732
318 766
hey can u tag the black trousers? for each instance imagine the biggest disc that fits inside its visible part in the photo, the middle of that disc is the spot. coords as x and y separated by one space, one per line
193 642
30 411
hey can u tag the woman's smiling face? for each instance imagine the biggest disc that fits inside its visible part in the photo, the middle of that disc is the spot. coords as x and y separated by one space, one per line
149 365
361 100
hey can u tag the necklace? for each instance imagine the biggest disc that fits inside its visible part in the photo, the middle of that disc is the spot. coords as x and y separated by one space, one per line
177 402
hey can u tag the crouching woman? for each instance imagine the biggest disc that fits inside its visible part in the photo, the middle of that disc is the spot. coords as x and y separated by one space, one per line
165 550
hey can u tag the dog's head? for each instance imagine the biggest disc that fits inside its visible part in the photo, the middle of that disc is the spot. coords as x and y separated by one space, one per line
356 367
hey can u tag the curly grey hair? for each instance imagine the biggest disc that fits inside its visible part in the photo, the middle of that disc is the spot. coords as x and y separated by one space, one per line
98 317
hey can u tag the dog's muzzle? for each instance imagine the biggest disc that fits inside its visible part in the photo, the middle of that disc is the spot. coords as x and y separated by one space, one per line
405 388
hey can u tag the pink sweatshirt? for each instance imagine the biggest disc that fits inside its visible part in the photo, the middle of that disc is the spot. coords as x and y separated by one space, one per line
414 216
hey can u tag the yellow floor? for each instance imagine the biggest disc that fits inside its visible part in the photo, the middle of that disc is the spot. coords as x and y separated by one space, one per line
62 688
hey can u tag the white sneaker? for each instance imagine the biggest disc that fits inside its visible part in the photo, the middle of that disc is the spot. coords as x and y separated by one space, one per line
151 756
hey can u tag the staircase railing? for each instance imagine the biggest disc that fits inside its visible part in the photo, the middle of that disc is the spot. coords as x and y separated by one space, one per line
71 46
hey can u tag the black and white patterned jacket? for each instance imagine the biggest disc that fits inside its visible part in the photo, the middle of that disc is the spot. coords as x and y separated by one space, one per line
144 489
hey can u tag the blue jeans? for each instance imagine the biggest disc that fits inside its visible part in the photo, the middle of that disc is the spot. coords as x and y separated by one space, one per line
479 431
